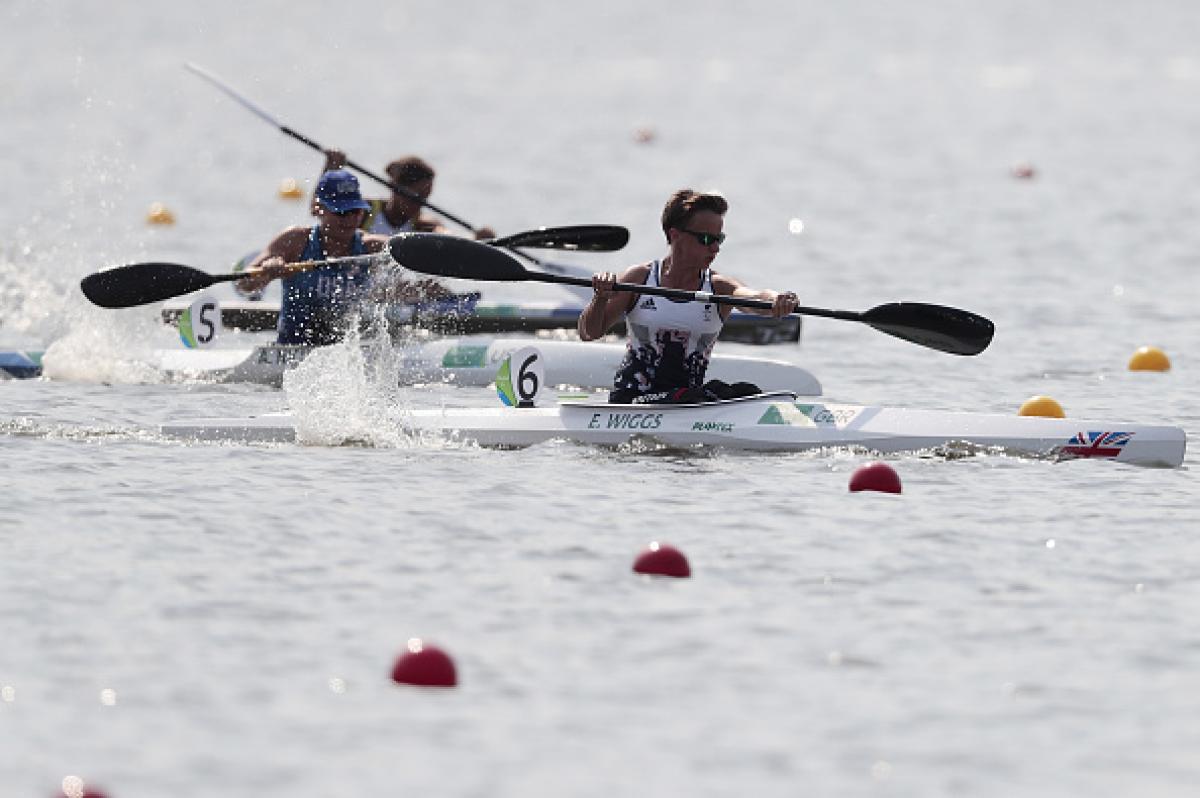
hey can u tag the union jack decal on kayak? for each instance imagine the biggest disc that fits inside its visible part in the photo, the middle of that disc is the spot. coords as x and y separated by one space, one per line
1097 444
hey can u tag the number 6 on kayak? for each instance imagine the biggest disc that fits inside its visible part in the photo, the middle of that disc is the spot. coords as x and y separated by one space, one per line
520 378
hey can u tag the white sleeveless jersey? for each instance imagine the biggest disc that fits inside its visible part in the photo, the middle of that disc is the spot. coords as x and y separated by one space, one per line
377 222
669 342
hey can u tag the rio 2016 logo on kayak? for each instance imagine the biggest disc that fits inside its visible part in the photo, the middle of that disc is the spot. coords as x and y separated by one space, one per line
799 414
824 414
626 421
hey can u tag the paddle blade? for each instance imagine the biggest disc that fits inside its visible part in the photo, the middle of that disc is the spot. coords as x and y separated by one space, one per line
581 237
142 283
958 332
450 256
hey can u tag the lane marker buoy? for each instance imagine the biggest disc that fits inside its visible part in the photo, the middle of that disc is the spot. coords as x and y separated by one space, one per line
1024 171
877 476
1149 358
662 559
159 214
423 665
645 135
73 787
1043 406
290 189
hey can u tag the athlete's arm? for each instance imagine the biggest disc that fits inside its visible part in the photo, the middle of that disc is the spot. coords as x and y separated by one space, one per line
608 306
285 248
782 302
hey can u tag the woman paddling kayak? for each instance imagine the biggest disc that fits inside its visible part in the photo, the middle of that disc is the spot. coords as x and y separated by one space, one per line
670 342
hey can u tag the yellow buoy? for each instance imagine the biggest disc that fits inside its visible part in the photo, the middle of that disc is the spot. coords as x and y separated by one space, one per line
1149 358
1041 406
159 214
290 189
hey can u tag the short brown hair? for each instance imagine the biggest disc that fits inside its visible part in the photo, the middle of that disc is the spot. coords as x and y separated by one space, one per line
686 203
409 169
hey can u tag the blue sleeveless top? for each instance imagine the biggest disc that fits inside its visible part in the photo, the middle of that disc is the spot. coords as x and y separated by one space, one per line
316 303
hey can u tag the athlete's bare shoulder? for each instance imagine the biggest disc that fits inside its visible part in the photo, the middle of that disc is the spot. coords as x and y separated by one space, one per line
635 274
724 284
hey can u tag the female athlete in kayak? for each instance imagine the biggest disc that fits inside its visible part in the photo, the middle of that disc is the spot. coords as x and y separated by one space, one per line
401 212
670 341
319 303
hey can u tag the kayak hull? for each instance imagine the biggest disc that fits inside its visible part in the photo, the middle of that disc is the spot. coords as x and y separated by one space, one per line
769 423
474 360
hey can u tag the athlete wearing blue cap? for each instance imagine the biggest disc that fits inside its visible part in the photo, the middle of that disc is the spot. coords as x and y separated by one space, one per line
317 303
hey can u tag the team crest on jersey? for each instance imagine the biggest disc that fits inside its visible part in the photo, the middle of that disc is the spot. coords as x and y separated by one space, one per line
647 303
708 312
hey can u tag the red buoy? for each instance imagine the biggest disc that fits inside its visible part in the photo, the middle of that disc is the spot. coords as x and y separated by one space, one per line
662 559
424 666
1024 171
875 476
74 787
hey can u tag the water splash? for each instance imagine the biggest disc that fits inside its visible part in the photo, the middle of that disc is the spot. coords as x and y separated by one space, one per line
349 393
107 347
41 306
26 427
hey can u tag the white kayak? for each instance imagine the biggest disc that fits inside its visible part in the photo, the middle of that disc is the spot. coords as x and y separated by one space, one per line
473 360
766 422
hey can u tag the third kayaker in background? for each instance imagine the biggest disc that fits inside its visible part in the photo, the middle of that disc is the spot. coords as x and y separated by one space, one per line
670 342
400 213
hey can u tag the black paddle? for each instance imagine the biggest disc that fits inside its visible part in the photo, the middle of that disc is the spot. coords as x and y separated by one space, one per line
262 114
143 283
580 237
945 329
399 189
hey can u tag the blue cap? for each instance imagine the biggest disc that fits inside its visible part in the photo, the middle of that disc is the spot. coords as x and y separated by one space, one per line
337 191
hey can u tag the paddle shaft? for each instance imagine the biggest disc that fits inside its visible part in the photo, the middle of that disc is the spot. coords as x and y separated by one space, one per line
303 139
693 296
950 330
412 195
143 283
307 265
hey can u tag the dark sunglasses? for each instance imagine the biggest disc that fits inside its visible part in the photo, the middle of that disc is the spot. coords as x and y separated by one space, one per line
705 239
350 212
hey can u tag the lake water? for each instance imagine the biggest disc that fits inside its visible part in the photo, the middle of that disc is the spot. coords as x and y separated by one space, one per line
221 620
